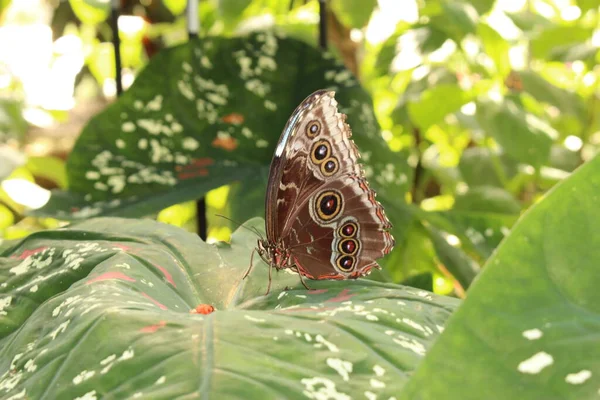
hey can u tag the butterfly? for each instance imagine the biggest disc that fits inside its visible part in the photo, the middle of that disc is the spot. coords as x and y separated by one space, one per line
322 218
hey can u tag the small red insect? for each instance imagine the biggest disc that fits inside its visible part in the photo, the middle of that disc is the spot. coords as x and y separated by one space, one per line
204 309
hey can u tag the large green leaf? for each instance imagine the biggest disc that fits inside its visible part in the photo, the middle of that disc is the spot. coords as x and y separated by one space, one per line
252 190
529 327
209 113
213 118
523 136
102 310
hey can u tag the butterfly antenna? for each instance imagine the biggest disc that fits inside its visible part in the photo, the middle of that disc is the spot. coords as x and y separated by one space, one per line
251 229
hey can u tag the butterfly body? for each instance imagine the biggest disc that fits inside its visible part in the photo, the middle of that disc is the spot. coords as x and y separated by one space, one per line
322 219
274 255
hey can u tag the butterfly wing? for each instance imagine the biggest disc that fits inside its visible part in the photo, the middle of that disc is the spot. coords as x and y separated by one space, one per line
319 204
290 178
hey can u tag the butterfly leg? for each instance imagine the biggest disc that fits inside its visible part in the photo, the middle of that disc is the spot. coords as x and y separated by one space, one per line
269 285
304 283
301 280
251 265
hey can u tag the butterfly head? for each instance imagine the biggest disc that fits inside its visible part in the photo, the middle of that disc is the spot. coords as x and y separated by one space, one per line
272 254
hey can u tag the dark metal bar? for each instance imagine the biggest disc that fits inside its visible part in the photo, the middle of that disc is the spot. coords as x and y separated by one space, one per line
201 224
193 28
323 24
114 24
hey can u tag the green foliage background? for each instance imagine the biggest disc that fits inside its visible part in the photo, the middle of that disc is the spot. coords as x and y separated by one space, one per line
472 118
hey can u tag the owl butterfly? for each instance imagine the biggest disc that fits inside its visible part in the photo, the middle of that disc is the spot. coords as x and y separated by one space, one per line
322 219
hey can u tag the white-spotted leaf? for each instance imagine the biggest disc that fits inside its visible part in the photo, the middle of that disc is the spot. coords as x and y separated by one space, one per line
101 309
209 113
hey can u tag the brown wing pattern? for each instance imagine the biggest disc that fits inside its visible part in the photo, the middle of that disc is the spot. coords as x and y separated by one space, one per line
325 213
293 176
347 246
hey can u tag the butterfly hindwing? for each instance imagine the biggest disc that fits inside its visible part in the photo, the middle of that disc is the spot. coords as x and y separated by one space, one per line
340 231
